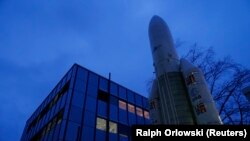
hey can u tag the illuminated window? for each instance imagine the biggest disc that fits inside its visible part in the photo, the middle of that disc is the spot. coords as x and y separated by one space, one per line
139 111
131 108
122 105
112 127
146 114
101 124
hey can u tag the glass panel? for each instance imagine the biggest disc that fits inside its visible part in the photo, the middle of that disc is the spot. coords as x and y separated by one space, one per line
123 116
87 133
100 135
75 114
140 120
112 127
62 128
56 133
72 131
113 137
102 108
92 91
89 118
131 108
80 85
122 105
132 118
131 97
90 104
78 99
104 96
103 84
93 79
122 93
138 100
113 113
82 73
139 111
123 130
113 100
113 88
101 124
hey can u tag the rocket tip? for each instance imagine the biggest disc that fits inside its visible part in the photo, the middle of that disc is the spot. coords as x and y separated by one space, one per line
156 19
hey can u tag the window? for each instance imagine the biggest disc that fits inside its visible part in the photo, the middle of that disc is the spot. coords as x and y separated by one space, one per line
103 96
113 100
103 84
113 88
123 130
122 93
122 105
49 105
146 114
139 111
112 127
47 128
131 97
131 108
101 124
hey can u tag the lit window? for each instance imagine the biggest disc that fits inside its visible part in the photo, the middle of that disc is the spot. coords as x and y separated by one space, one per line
112 127
139 111
146 114
122 105
131 108
101 124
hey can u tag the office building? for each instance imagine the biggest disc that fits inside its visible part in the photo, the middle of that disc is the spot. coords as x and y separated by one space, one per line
85 106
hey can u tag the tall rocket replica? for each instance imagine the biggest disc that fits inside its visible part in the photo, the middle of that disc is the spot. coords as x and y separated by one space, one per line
179 94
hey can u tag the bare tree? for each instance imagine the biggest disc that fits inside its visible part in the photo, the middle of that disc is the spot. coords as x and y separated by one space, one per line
226 80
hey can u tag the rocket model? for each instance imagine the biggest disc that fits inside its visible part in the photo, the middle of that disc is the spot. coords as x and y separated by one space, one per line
179 94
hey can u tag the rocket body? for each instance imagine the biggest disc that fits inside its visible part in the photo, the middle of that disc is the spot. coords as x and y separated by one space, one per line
170 99
168 92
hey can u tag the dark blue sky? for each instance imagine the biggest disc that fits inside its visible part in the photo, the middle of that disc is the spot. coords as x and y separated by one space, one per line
40 41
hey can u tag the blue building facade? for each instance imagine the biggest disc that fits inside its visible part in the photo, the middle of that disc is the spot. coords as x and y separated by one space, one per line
85 106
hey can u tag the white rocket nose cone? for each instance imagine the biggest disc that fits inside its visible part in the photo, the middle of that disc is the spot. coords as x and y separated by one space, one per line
159 31
162 47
